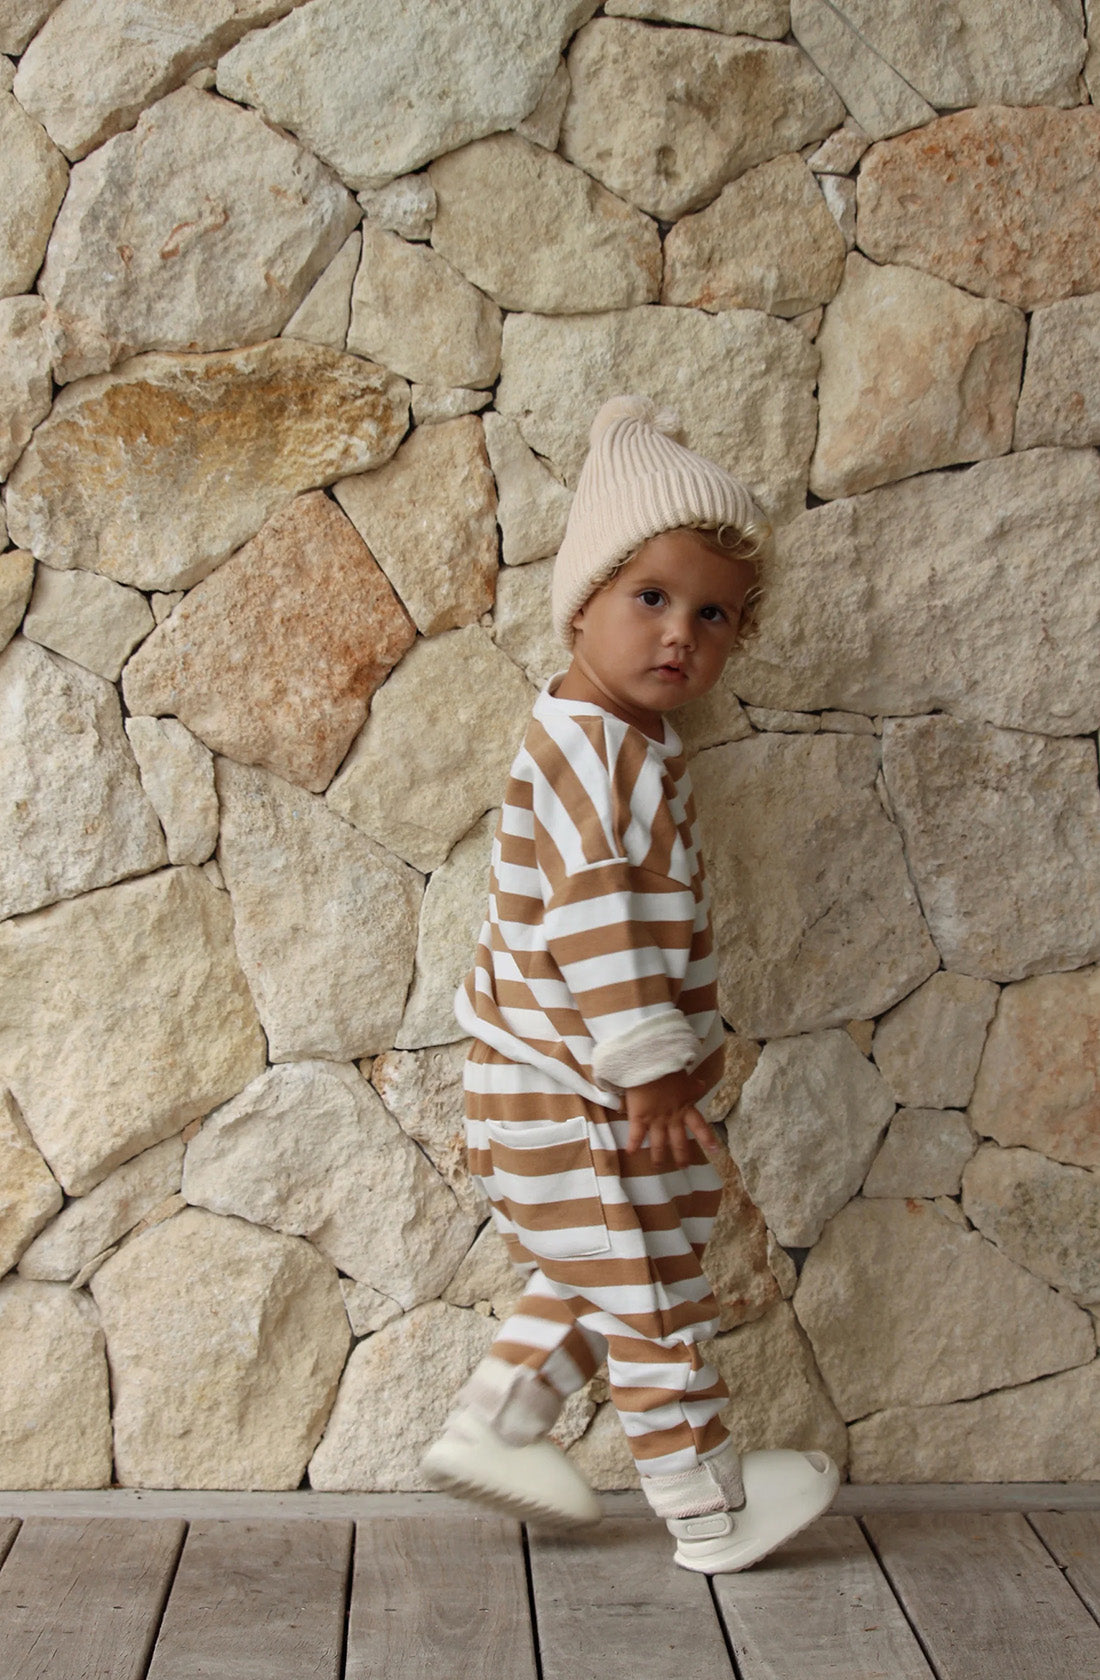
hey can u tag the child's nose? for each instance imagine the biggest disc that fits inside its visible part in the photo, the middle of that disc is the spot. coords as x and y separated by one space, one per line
679 629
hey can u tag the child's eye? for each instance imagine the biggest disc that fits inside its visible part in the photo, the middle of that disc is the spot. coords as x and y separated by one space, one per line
651 597
712 615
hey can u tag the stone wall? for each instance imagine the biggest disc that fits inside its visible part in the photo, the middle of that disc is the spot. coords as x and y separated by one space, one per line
305 310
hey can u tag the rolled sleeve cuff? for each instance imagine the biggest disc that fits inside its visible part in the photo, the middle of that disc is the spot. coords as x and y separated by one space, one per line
663 1045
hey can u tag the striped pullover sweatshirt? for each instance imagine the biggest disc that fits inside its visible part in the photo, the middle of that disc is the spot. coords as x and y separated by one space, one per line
595 962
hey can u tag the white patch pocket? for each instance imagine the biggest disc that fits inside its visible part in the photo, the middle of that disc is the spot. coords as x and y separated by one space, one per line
544 1174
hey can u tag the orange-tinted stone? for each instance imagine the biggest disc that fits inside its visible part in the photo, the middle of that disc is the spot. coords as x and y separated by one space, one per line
1002 201
273 659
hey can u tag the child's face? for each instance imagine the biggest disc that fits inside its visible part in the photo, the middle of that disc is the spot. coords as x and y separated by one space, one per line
660 632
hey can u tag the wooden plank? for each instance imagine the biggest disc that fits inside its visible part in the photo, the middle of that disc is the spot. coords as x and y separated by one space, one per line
80 1600
251 1600
858 1499
1074 1538
9 1528
986 1599
195 1505
447 1597
853 1499
612 1605
819 1608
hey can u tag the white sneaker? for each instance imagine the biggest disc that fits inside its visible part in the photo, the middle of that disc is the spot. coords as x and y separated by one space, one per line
784 1492
535 1482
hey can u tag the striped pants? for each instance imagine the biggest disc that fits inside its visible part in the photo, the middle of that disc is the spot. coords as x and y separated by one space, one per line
612 1247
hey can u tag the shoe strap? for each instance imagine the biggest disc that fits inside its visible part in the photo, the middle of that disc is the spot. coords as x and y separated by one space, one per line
713 1525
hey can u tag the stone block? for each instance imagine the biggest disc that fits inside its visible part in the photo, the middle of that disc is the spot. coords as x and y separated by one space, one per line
532 505
200 229
960 53
815 918
324 314
123 1015
737 1259
273 658
434 403
995 200
16 581
73 814
55 1408
903 1307
90 1225
840 151
414 313
923 1154
226 441
367 1310
418 794
94 67
325 920
423 1091
779 1399
381 1425
309 1150
1042 1214
754 413
405 205
522 625
422 80
1042 1431
33 179
881 101
768 241
177 773
29 1193
90 619
1001 832
486 1277
805 1130
26 390
1038 1084
543 125
629 124
451 918
928 1046
1060 399
975 571
429 519
915 374
18 21
226 1344
582 248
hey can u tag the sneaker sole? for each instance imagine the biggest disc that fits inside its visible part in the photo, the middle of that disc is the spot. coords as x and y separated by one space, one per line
761 1550
523 1507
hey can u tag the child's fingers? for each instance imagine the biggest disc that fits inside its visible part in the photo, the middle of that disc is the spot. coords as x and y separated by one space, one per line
673 1137
701 1130
636 1135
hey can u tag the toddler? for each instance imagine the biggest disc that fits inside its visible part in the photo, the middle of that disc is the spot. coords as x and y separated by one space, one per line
593 1010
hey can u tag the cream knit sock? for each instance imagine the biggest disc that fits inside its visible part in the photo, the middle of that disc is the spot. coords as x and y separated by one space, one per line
714 1484
512 1399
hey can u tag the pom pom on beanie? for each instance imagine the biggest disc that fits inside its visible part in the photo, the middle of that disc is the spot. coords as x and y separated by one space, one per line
637 481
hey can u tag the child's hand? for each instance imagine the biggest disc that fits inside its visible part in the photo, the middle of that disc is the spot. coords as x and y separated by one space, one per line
665 1112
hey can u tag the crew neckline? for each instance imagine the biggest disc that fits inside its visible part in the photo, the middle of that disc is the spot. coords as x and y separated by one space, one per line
670 747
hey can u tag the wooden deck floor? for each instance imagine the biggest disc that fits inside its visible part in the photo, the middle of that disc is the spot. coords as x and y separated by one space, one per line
900 1584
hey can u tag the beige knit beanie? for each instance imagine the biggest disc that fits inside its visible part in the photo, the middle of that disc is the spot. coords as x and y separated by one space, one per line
636 482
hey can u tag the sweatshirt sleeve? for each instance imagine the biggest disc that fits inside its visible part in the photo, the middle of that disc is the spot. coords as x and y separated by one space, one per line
620 907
